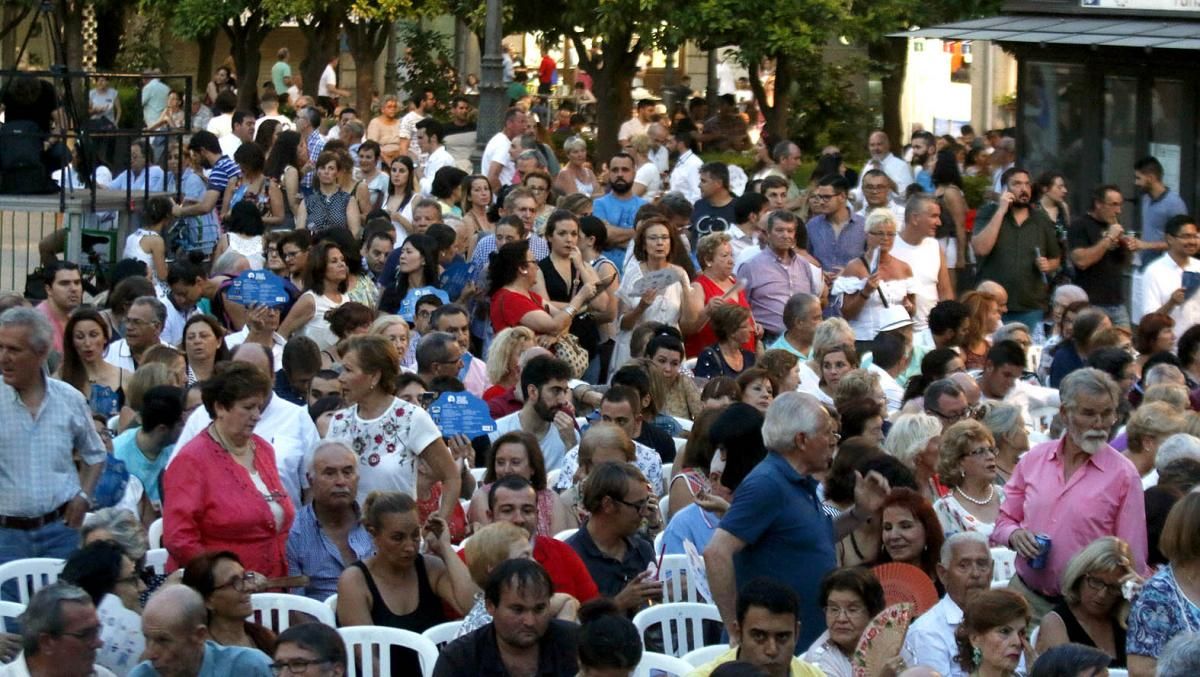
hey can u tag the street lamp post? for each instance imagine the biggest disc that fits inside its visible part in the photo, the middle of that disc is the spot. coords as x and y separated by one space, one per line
491 88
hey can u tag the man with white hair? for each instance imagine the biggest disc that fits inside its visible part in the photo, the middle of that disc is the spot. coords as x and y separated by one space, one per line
1054 479
1180 657
1175 447
175 626
965 569
328 535
776 515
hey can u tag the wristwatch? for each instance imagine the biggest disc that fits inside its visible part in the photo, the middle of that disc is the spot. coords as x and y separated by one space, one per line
83 494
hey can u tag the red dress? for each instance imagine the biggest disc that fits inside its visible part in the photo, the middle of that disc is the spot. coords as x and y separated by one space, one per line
458 520
696 343
508 307
210 503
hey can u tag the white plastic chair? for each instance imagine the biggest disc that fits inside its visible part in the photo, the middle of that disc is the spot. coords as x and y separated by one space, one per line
478 474
30 575
10 610
331 602
674 576
1042 418
564 534
375 643
1004 565
157 559
658 664
682 624
442 633
1118 672
273 610
658 539
663 504
680 443
705 654
552 477
154 533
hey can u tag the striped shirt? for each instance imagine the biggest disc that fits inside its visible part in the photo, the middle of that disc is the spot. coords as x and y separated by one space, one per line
487 245
311 553
37 474
223 171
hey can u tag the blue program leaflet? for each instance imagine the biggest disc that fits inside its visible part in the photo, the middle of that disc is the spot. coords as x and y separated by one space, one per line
258 288
461 413
1191 282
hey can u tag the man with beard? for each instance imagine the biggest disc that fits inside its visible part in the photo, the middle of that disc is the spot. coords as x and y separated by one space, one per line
965 569
328 535
207 148
880 148
64 293
924 152
836 236
1163 288
547 401
523 638
619 206
1073 491
1017 248
714 211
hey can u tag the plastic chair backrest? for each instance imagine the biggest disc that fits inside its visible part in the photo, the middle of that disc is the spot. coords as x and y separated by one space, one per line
155 533
682 624
274 609
157 559
705 654
657 664
673 572
564 534
30 575
1004 564
375 643
442 633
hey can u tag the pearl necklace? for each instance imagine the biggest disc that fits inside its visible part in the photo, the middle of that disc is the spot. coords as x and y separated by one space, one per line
991 493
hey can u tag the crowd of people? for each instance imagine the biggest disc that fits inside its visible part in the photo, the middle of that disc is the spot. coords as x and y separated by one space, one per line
814 385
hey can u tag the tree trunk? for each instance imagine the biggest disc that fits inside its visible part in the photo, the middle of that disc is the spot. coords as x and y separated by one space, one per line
205 46
321 45
612 83
891 55
777 115
367 40
245 40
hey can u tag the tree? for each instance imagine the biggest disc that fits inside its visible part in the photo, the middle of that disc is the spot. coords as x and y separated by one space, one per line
246 24
367 26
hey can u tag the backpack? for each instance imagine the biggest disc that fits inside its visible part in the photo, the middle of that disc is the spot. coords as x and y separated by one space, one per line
22 171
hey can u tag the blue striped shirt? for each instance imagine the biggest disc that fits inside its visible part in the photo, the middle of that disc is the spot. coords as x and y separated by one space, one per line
487 245
315 143
311 553
223 171
37 474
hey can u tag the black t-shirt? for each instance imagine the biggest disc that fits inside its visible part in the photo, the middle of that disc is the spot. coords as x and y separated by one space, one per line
657 439
1103 280
451 128
707 218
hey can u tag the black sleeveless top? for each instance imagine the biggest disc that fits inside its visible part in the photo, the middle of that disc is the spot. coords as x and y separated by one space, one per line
1078 635
427 614
583 326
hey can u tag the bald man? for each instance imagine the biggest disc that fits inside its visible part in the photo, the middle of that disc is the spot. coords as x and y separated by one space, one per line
285 426
327 535
177 643
880 148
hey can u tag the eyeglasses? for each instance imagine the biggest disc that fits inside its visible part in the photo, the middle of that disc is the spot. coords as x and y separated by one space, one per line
886 234
983 451
240 583
1187 236
969 412
1098 585
139 322
85 635
296 666
639 506
823 198
850 611
290 255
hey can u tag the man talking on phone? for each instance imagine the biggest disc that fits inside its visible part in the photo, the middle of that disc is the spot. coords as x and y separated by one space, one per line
1017 248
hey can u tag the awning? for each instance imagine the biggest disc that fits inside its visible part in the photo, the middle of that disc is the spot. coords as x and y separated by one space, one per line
1074 30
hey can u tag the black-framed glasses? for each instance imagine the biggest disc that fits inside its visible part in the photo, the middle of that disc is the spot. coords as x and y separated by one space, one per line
640 506
85 635
969 412
1099 585
240 584
289 255
296 666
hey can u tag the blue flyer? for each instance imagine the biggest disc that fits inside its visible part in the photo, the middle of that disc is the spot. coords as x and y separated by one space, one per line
408 306
461 413
1191 282
258 287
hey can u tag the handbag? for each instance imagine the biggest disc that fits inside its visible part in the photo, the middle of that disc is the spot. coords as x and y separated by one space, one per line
567 349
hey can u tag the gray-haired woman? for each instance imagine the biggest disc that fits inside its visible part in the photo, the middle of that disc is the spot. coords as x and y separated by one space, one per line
1012 439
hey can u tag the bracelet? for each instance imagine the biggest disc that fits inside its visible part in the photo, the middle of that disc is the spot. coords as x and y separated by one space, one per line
570 310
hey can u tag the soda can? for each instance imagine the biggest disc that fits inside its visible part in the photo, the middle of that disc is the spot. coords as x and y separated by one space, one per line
1043 552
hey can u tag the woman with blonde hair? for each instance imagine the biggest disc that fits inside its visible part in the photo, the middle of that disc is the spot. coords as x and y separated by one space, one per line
146 377
577 176
967 464
395 329
1147 428
647 180
502 368
1093 611
916 440
487 549
831 331
833 360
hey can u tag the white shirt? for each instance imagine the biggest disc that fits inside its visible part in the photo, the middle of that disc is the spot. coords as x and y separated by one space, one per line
1160 279
118 354
285 125
930 639
408 124
497 151
440 157
220 125
631 128
685 178
553 450
286 427
172 332
229 144
239 337
661 158
925 260
649 176
646 459
896 169
892 389
1025 396
19 668
121 632
328 79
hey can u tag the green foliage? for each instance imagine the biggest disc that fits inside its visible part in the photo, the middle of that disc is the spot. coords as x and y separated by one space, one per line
427 60
131 104
141 45
826 108
975 188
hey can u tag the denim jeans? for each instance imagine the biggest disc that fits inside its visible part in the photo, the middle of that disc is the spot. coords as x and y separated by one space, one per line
52 540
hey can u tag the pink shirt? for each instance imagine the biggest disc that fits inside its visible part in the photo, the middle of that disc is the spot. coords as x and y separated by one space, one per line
60 326
1102 498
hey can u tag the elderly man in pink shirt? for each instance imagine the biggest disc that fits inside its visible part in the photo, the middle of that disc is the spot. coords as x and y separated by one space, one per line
1073 490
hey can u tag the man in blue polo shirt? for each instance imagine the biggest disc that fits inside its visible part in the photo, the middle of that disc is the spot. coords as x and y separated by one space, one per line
618 207
776 526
